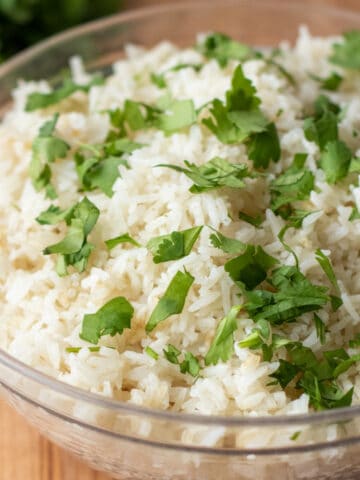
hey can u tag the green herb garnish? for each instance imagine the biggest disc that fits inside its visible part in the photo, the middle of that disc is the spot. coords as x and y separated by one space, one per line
124 238
190 364
74 249
38 100
250 268
110 319
173 300
347 53
149 351
173 246
97 166
294 185
222 346
215 173
46 148
223 48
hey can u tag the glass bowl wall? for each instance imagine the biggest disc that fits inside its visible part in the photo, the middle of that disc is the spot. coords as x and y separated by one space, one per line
136 443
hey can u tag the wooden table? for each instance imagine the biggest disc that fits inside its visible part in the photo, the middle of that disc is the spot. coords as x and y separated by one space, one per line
24 453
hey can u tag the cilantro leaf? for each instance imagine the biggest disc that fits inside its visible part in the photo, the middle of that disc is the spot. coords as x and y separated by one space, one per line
335 161
124 238
255 221
173 300
172 354
46 148
74 249
325 264
190 364
293 185
222 48
239 117
259 335
173 246
294 295
110 319
54 215
77 349
323 126
332 82
100 169
159 79
264 147
179 114
355 342
38 100
285 373
216 173
250 268
320 328
355 214
227 244
149 351
347 53
222 346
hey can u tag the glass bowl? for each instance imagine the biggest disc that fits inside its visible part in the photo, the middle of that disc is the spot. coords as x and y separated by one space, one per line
137 443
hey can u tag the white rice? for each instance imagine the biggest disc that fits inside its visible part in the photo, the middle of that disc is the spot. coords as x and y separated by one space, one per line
41 313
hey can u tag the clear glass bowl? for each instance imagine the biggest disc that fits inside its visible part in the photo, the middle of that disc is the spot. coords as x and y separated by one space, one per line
130 442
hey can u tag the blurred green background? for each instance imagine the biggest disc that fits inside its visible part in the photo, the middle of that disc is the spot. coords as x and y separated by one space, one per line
24 22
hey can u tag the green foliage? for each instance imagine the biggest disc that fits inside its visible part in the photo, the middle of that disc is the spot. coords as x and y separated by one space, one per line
24 22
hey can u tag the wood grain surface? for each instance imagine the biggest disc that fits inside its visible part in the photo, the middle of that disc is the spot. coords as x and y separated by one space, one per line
24 453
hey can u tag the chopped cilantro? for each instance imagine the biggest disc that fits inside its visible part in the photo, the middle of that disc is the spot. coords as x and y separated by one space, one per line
240 116
295 435
110 319
173 246
46 148
124 238
255 221
355 214
355 342
241 120
173 300
74 249
179 114
347 53
100 169
222 346
332 82
295 184
227 244
172 354
264 147
222 48
259 335
54 215
325 264
149 351
323 126
159 79
190 364
320 328
38 100
335 161
293 294
77 349
250 268
316 377
216 173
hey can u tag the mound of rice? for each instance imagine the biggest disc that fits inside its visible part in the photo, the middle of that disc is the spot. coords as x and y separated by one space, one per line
41 313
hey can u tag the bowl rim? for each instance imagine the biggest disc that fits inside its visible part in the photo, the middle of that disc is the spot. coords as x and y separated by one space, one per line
10 362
